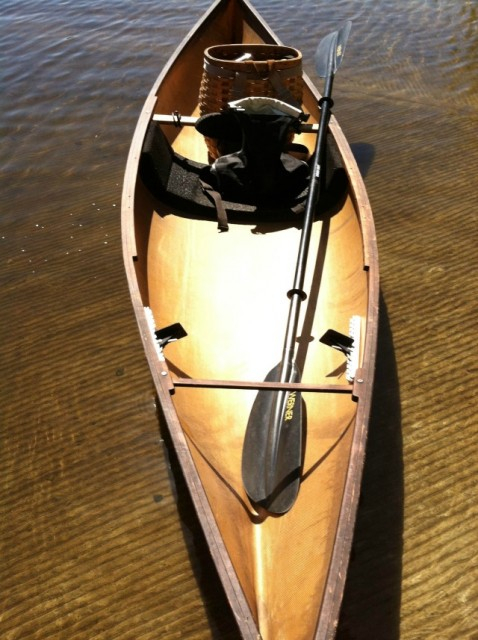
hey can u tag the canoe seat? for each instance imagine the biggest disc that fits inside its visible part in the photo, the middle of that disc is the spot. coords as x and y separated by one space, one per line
176 180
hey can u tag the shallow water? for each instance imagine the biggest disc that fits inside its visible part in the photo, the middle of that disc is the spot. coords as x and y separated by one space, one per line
97 542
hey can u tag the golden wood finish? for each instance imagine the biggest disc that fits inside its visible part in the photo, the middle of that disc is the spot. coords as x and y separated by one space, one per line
283 576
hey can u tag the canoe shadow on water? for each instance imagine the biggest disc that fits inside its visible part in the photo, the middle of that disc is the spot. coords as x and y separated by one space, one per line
364 154
220 617
371 605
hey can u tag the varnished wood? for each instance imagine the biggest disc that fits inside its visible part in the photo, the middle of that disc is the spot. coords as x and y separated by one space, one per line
189 121
238 384
284 576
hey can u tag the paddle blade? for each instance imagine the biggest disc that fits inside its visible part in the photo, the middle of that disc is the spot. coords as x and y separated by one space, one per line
330 51
272 452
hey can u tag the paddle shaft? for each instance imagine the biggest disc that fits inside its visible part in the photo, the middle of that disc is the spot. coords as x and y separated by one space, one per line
297 294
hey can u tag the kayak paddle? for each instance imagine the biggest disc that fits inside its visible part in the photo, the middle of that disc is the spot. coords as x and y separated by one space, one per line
272 453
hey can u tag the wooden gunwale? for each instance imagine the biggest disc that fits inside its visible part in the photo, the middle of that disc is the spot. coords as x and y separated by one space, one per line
134 247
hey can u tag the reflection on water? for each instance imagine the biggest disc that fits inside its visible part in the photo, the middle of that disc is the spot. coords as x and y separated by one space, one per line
90 528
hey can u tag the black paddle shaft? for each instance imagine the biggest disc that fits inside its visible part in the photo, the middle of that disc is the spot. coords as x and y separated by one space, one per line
297 294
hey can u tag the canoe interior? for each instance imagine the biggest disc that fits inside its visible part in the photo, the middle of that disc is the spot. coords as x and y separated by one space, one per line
228 290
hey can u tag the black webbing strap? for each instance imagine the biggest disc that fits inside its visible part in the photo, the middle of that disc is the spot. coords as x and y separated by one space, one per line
215 196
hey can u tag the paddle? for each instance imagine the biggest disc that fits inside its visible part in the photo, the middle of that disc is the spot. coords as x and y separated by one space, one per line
272 452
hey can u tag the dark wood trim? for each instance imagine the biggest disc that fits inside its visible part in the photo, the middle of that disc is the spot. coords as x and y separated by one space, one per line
273 386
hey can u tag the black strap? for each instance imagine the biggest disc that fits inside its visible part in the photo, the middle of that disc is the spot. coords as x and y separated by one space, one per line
215 196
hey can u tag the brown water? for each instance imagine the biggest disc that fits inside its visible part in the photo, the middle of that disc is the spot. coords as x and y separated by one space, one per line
96 541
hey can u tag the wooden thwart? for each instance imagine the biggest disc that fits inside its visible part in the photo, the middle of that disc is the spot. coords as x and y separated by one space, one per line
189 121
272 386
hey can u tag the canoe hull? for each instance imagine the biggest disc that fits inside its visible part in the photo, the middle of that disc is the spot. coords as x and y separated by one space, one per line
284 576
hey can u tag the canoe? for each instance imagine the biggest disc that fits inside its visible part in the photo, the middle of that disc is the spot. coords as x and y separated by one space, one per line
212 310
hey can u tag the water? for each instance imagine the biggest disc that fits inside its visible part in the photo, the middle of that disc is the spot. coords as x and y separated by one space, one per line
95 538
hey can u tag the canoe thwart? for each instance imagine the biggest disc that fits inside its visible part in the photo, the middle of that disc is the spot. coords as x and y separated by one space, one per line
267 385
175 118
189 121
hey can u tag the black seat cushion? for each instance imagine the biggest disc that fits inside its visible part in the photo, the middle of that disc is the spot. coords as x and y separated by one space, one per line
177 181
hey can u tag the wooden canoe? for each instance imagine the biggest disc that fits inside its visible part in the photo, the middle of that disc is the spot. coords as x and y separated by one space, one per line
284 574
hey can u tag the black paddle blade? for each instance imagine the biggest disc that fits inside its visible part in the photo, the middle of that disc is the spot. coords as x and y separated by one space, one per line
272 453
330 51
